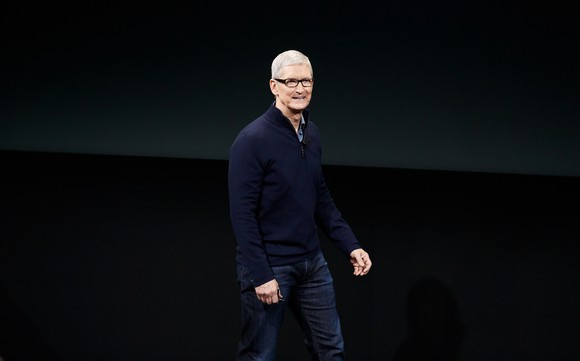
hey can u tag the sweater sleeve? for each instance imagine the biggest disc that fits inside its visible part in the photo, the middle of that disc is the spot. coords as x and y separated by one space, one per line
245 177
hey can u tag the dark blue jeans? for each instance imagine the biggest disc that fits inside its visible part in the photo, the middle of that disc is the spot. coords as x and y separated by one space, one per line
308 292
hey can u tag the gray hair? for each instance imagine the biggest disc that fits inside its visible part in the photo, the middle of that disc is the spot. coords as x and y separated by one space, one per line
289 57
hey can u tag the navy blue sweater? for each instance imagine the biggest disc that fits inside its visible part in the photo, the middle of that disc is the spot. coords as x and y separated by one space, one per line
278 196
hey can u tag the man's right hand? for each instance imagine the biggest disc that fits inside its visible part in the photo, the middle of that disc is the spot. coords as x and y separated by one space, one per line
269 292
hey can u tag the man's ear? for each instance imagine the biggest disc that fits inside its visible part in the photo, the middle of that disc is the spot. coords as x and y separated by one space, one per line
274 87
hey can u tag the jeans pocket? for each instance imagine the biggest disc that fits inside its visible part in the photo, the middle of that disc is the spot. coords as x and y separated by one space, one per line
244 278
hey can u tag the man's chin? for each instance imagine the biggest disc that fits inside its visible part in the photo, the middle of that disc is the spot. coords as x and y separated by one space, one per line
299 107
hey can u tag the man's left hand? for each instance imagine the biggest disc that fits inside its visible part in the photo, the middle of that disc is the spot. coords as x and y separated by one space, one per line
361 262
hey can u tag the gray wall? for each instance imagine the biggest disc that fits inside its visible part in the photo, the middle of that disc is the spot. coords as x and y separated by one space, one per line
478 86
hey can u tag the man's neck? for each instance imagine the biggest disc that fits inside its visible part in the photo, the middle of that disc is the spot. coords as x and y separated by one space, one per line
294 117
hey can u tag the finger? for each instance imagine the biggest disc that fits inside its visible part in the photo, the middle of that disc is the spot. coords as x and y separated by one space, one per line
358 260
365 257
367 267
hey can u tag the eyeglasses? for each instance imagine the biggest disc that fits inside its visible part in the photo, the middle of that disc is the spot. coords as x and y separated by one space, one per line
293 83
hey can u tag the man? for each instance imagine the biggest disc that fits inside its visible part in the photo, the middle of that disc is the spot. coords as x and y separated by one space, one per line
278 199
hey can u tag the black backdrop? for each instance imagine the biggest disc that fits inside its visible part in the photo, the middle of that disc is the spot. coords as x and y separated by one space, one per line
132 258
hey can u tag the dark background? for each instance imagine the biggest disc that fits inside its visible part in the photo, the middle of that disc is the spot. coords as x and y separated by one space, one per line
132 258
456 85
450 144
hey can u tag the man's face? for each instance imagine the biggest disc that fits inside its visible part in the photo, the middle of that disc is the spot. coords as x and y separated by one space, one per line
294 99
